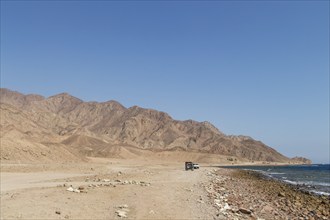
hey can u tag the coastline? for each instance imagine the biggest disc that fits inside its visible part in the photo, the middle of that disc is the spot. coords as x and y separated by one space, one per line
247 194
282 173
165 191
261 164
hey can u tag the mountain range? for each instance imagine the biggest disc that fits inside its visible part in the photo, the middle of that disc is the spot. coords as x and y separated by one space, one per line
65 128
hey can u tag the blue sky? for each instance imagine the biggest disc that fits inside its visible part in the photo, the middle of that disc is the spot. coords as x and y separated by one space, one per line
255 68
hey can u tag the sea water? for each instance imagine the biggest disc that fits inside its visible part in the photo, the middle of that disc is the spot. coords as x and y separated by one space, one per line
314 178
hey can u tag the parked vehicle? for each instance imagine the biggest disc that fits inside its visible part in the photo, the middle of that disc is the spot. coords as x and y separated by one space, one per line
189 166
196 166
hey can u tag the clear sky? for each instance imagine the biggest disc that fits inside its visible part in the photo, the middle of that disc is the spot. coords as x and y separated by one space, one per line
249 67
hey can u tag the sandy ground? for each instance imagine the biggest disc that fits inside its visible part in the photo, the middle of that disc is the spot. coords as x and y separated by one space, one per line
148 189
143 190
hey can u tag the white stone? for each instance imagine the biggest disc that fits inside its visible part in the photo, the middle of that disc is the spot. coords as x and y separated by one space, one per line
70 189
121 213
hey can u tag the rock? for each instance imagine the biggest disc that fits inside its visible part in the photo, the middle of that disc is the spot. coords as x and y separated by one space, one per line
267 209
121 213
81 187
226 206
281 194
217 202
123 206
245 211
58 212
152 212
105 180
221 216
70 189
119 173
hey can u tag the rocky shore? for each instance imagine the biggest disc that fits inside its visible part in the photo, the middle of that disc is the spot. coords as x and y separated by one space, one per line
238 194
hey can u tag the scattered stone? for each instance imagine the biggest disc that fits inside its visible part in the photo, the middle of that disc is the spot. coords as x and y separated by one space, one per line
123 206
217 202
71 189
245 211
226 207
145 184
281 194
121 213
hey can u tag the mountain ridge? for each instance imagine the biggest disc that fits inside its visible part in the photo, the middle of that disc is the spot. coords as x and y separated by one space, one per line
109 124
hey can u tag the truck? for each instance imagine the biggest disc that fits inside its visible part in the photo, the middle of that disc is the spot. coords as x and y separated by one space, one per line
191 166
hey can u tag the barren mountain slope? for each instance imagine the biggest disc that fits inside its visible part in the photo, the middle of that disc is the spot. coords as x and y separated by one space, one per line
23 139
98 129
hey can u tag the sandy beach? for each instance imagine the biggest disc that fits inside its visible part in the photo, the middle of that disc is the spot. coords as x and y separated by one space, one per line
137 189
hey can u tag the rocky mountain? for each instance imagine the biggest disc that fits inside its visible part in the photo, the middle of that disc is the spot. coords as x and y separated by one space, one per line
63 127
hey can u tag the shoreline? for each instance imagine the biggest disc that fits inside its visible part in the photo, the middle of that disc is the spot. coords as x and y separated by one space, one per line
305 186
243 193
264 164
164 191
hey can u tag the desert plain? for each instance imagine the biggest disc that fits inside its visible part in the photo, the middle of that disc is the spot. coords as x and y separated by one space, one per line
114 188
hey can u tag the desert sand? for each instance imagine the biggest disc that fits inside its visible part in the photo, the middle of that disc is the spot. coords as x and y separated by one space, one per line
147 189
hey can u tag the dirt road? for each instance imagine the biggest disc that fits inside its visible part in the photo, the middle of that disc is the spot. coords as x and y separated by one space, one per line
139 191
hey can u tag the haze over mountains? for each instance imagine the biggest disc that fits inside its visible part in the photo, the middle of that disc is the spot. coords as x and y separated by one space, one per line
65 128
